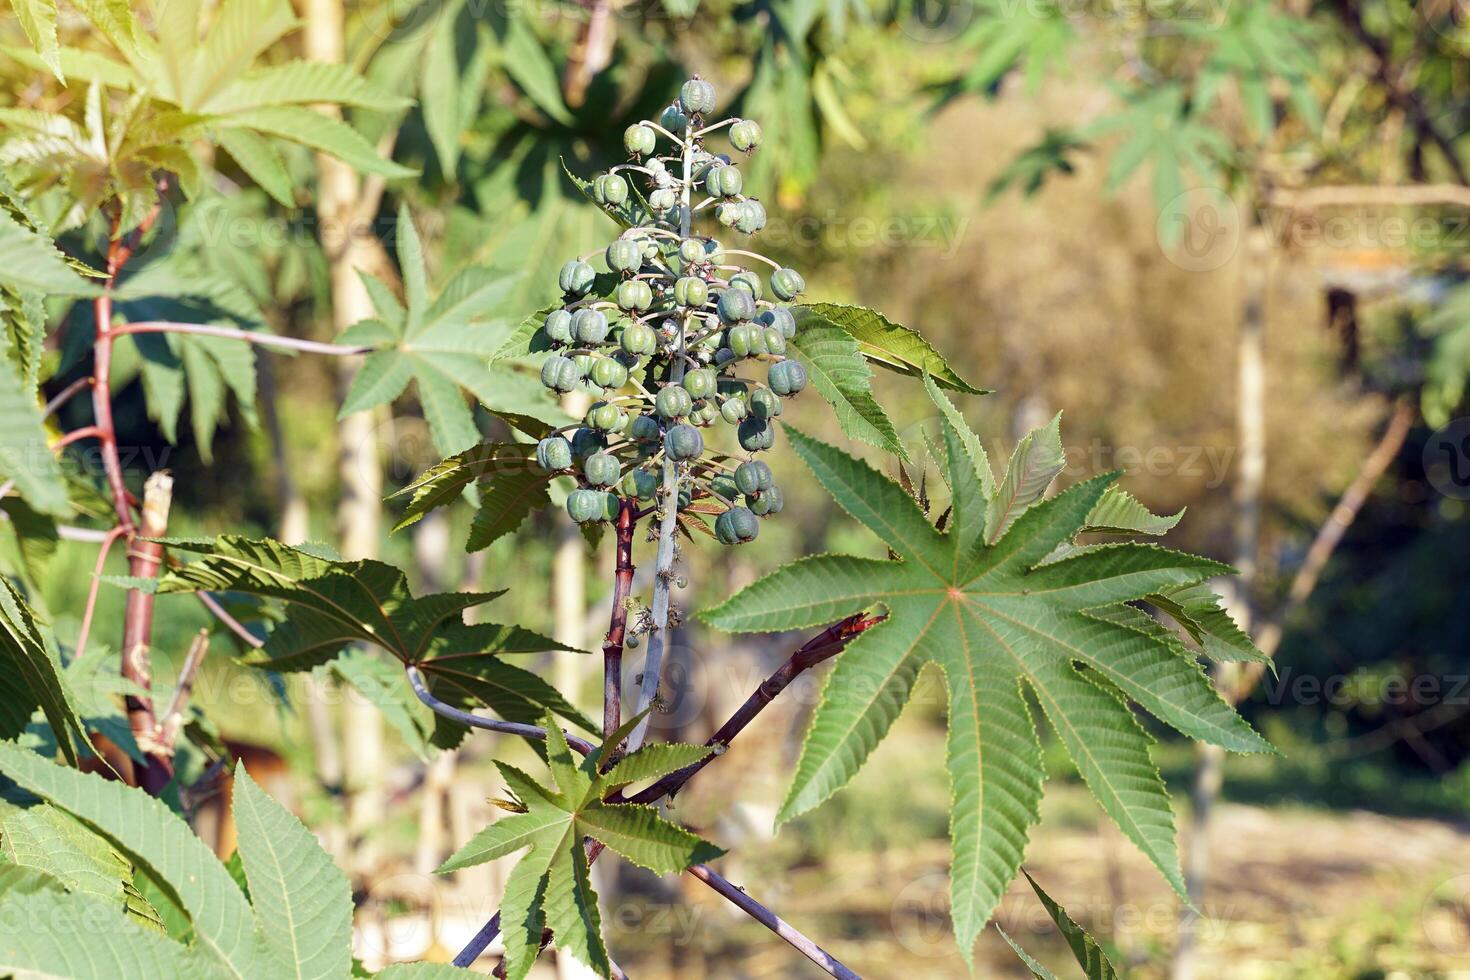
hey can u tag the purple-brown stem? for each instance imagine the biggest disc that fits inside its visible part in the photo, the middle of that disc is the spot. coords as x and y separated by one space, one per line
612 645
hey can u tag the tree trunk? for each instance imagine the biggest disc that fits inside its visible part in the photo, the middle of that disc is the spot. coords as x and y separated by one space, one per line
346 238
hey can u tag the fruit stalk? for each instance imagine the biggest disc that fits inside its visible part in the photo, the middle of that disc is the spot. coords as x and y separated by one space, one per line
663 574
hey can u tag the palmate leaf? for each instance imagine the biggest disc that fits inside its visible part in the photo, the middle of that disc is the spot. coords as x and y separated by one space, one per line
550 887
1086 950
999 619
329 604
26 456
444 346
73 936
38 19
842 377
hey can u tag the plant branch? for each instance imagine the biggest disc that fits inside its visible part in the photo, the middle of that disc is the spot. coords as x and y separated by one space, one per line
144 558
737 896
824 646
249 336
416 680
173 715
65 395
663 572
1328 537
612 645
108 538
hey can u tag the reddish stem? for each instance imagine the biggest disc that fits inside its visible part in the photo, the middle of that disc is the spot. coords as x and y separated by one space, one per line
612 645
824 646
92 590
144 559
77 435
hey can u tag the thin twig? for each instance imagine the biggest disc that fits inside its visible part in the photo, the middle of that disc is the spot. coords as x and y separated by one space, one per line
416 680
819 648
249 336
144 558
612 645
107 540
65 395
829 963
173 715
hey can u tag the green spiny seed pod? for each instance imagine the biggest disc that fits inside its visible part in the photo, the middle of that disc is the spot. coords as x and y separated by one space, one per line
775 343
560 373
728 213
700 383
588 506
608 373
558 327
589 326
554 453
683 442
736 306
697 97
751 216
691 250
638 339
576 277
736 526
663 199
640 483
752 477
645 428
604 417
674 120
672 402
724 181
748 281
602 469
625 255
787 283
745 135
781 318
756 434
787 377
765 403
640 140
634 294
610 189
768 501
733 410
691 291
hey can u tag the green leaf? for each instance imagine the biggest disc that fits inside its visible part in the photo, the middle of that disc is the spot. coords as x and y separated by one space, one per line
890 345
632 213
445 346
1035 463
261 162
71 936
550 885
31 261
302 83
384 685
301 900
38 19
525 61
1119 512
316 131
1198 610
145 828
445 481
842 377
505 504
1086 950
26 456
998 618
329 604
33 673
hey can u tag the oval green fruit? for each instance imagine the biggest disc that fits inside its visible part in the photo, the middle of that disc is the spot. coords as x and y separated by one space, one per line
554 453
589 326
787 283
787 377
756 434
691 250
775 343
691 291
733 410
765 403
697 96
640 483
610 189
638 339
683 442
724 181
751 216
586 441
768 501
700 383
645 428
663 199
781 318
640 140
736 306
748 281
586 506
624 255
558 327
608 373
674 120
672 402
604 417
576 277
736 526
560 373
602 469
752 477
745 135
635 294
